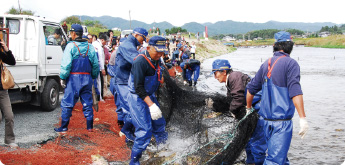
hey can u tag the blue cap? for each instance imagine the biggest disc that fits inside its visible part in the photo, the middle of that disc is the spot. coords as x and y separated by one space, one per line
158 43
76 28
220 64
282 36
179 46
141 31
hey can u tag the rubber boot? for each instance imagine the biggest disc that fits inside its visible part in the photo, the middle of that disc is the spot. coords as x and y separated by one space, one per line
128 129
89 125
63 128
190 83
120 123
194 83
135 156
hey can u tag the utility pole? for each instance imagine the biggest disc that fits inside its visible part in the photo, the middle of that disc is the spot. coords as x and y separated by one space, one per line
130 21
20 10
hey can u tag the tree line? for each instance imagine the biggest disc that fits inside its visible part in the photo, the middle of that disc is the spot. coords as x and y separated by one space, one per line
333 29
175 30
264 34
89 23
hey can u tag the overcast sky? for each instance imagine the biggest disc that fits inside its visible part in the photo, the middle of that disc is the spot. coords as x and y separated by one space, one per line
179 12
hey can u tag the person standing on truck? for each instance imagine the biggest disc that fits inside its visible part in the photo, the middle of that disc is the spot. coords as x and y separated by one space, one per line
7 57
64 27
79 66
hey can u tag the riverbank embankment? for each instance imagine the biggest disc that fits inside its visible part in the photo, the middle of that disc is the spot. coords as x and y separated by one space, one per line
209 48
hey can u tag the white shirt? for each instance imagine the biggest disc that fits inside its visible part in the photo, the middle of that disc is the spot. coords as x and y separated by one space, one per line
99 49
192 49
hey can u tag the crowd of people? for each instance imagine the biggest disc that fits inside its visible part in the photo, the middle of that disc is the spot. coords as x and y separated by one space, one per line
134 65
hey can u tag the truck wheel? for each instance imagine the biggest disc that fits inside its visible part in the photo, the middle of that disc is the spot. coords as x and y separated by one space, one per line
50 95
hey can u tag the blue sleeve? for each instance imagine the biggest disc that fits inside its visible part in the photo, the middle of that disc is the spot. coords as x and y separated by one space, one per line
255 85
111 70
66 62
129 54
293 79
94 62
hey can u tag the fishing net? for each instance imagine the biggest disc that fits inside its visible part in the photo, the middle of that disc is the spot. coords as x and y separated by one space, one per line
199 134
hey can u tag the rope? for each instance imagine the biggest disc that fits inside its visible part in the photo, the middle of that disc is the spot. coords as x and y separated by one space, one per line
228 137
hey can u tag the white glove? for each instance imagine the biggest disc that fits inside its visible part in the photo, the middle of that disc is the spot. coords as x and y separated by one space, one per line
304 127
155 112
209 103
63 83
249 110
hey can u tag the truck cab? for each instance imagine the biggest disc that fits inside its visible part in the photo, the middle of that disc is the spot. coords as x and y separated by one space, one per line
125 32
38 51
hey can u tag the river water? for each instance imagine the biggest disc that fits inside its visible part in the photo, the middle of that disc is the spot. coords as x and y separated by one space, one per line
322 80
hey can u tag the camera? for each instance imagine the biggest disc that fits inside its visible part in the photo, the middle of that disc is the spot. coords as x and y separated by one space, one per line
114 41
1 48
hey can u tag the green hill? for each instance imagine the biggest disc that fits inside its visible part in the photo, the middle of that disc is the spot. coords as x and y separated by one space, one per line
220 27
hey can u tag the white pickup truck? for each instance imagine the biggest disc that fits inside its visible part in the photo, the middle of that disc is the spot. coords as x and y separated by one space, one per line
36 73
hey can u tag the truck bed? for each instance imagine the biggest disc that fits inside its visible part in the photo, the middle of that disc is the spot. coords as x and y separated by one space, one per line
24 74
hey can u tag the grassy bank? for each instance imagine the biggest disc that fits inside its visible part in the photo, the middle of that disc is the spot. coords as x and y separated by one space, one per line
335 41
210 49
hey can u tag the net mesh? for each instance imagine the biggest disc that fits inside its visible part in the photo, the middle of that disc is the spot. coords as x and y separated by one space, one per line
77 145
209 135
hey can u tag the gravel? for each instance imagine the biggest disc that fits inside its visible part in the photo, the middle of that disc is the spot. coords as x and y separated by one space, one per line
32 125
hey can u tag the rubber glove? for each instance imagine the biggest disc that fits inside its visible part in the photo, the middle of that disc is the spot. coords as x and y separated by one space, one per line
249 110
63 83
304 127
155 112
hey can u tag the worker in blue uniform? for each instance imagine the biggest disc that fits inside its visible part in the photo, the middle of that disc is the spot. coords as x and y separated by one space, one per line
256 147
185 54
125 55
79 66
279 80
235 83
192 68
144 108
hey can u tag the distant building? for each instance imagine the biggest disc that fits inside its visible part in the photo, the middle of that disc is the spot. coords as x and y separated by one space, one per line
259 38
228 38
324 34
116 29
